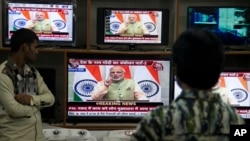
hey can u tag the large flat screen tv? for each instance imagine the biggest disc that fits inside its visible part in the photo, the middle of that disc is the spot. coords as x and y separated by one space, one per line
231 24
116 26
53 22
153 76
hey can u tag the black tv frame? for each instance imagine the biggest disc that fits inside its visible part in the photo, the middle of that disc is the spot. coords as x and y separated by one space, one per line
114 119
101 24
42 43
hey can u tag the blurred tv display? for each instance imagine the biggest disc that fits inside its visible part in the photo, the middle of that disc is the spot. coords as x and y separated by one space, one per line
231 24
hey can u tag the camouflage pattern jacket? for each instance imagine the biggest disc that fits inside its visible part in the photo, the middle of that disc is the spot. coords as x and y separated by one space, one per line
194 116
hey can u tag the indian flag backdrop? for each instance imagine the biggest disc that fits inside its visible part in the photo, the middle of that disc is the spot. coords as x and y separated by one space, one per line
84 82
17 19
148 79
150 22
59 20
115 21
238 84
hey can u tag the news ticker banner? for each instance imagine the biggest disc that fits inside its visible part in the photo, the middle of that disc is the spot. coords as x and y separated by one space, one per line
48 34
111 108
243 112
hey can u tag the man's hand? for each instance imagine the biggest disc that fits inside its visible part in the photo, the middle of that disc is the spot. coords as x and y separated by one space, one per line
34 21
108 82
23 98
127 23
140 96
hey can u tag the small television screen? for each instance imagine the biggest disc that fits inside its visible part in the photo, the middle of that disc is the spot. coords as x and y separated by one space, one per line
231 24
238 84
52 22
132 26
146 84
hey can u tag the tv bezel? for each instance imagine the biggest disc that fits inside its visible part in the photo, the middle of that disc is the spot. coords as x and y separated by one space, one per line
112 119
164 28
42 43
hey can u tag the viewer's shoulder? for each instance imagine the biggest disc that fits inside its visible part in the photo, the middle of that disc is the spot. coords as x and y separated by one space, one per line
2 66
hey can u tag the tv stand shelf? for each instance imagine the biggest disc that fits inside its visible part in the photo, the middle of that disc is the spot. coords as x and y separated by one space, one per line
102 126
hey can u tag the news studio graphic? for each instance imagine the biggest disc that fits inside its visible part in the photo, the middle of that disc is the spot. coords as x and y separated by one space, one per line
49 22
239 132
153 76
111 108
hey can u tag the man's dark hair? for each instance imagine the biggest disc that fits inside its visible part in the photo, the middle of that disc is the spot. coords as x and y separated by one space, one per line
199 58
20 37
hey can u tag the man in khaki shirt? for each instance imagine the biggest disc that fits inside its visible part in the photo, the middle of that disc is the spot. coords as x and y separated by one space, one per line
132 26
116 87
22 91
40 24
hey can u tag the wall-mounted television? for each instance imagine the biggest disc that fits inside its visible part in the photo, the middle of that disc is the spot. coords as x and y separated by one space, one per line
153 76
116 26
53 22
231 24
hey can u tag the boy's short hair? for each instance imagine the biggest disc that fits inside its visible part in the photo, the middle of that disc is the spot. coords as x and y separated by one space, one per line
198 56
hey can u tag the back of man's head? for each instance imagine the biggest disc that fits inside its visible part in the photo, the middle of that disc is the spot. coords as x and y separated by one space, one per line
199 58
20 37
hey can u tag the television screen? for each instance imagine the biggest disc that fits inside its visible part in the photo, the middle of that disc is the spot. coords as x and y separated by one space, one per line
152 78
53 23
237 84
132 26
231 24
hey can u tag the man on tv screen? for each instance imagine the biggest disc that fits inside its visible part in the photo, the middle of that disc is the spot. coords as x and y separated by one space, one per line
41 24
116 87
132 26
